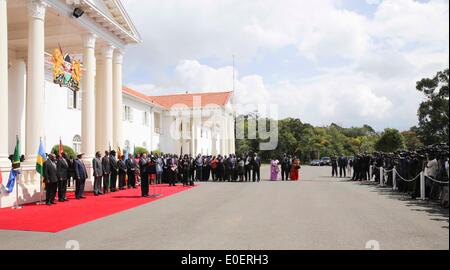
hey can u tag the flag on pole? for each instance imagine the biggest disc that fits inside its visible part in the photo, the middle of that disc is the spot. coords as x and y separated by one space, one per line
134 150
15 168
126 153
41 157
119 152
61 148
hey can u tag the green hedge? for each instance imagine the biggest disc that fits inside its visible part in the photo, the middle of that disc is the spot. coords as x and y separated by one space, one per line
140 150
67 149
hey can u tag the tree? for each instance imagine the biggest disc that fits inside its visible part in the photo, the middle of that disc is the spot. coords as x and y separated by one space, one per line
412 141
433 112
390 141
67 149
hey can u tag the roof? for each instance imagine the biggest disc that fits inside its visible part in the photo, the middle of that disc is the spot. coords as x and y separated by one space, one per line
169 101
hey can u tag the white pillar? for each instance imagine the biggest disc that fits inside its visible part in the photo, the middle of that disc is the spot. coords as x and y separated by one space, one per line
3 84
422 186
35 78
88 98
117 100
17 92
99 145
107 98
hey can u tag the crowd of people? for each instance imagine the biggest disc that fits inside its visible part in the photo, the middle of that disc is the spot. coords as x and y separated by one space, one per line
113 172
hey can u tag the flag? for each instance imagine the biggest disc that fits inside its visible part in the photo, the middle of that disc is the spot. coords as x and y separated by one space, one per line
1 177
16 157
61 148
119 152
126 154
41 157
134 150
15 168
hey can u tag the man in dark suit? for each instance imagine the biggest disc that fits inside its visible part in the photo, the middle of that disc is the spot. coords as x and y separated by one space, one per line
285 168
144 174
106 172
51 179
342 162
122 172
80 177
334 166
114 171
256 168
63 170
131 171
98 173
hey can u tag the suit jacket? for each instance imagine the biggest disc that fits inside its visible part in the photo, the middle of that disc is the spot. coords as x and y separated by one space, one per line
97 166
106 165
63 169
80 170
51 173
122 167
131 164
113 164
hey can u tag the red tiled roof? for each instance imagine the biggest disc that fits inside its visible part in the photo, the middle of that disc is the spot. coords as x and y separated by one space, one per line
168 101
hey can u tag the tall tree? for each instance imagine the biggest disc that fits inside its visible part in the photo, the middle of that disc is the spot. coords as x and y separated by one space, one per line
433 112
390 141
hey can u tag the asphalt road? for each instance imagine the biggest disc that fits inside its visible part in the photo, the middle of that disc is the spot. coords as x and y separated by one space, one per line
317 212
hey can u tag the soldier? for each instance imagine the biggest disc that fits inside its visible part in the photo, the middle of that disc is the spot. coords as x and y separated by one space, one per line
98 173
51 179
106 172
342 162
63 177
114 171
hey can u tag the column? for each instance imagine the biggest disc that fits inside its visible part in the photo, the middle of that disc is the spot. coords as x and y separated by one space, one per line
107 98
117 99
35 103
3 84
17 94
88 94
98 104
225 144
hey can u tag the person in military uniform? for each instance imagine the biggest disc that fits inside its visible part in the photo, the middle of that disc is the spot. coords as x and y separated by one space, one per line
342 162
63 177
51 179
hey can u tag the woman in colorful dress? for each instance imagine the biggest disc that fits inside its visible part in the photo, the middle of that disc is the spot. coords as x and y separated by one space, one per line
274 169
294 169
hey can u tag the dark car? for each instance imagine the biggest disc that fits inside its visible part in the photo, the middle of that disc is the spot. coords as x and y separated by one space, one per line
325 161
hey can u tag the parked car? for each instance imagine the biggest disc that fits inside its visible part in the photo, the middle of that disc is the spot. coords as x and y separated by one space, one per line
325 161
315 162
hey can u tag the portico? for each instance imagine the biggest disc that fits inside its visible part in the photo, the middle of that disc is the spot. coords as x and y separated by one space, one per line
29 32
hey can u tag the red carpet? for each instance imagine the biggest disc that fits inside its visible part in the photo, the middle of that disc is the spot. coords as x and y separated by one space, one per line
55 218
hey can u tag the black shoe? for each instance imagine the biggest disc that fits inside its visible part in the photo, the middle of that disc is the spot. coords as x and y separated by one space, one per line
61 200
49 203
53 202
66 200
82 197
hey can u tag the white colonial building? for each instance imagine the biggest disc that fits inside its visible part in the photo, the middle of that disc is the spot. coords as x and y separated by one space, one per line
101 113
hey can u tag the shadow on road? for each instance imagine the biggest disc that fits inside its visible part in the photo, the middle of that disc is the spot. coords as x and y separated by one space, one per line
432 208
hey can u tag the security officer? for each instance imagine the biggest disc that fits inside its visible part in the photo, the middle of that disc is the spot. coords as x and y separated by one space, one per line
131 171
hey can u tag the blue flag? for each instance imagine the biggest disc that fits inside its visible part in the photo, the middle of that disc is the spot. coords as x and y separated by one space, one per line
12 180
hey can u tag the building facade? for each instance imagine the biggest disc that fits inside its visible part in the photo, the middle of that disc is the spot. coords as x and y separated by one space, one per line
101 112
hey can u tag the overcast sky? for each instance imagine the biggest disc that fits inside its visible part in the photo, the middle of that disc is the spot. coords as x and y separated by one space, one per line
351 62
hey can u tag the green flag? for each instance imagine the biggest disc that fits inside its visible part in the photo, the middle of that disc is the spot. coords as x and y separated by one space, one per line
16 157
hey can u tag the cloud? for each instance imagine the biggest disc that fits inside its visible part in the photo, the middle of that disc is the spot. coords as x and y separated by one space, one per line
362 69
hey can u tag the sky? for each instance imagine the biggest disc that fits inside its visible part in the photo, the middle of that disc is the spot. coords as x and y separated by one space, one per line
350 62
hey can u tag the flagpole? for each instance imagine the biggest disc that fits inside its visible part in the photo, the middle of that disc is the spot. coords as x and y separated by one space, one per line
41 179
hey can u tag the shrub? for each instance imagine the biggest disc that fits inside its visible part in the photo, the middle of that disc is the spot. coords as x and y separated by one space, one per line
67 149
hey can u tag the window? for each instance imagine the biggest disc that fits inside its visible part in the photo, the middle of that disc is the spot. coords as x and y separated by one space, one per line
157 121
145 118
73 99
77 143
127 114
